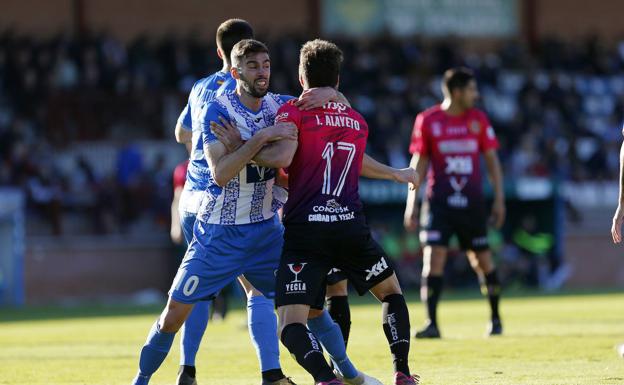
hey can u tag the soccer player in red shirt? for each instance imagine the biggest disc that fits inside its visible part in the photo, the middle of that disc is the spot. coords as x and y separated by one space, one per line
179 178
325 225
451 137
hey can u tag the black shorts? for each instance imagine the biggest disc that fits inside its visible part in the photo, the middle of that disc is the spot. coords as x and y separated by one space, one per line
335 275
311 251
438 224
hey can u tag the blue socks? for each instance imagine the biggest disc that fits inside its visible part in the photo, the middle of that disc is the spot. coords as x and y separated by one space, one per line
153 354
193 331
328 332
262 323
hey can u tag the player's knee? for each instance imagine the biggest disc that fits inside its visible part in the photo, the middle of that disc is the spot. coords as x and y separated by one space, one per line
338 289
291 314
250 290
283 324
314 313
434 260
484 261
170 323
253 292
172 319
474 263
436 269
387 287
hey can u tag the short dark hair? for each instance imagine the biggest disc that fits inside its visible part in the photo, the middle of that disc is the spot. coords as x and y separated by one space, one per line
319 63
456 78
231 32
244 48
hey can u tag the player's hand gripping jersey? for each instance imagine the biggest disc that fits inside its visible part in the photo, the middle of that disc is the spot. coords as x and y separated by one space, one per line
324 173
453 144
247 198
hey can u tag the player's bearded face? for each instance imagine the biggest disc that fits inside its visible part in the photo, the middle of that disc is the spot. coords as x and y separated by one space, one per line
254 76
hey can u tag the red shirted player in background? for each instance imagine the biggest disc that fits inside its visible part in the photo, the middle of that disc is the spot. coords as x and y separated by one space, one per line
325 227
452 136
179 178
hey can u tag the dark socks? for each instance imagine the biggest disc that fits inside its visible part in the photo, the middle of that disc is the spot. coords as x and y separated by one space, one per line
433 283
302 344
396 326
492 290
272 375
190 370
338 308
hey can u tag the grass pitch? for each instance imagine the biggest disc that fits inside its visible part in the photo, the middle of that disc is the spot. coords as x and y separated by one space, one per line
563 339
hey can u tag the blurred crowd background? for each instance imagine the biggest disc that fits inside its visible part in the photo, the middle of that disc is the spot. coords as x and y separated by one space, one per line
87 114
557 109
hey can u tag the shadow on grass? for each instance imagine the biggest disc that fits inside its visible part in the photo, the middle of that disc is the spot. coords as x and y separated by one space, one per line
44 313
90 310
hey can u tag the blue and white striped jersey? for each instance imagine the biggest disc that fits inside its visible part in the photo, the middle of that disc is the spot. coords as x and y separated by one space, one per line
248 197
203 91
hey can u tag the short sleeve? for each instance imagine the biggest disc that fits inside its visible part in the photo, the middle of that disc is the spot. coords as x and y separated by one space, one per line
285 98
288 113
184 120
487 138
210 112
420 137
228 85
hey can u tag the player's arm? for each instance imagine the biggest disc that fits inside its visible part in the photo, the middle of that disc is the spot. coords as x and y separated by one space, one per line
182 135
377 170
420 149
278 154
225 166
420 163
618 217
495 174
340 98
317 97
183 132
228 134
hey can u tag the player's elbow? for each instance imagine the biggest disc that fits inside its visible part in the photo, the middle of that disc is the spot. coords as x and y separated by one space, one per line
283 161
182 136
286 157
220 177
220 180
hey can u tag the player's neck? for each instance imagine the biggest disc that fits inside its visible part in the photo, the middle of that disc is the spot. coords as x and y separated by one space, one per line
226 67
451 108
248 101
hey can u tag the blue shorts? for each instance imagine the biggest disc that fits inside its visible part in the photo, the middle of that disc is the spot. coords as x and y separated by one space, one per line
187 221
218 254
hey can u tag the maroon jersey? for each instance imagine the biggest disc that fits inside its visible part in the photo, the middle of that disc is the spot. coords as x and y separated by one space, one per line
179 174
453 144
324 173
